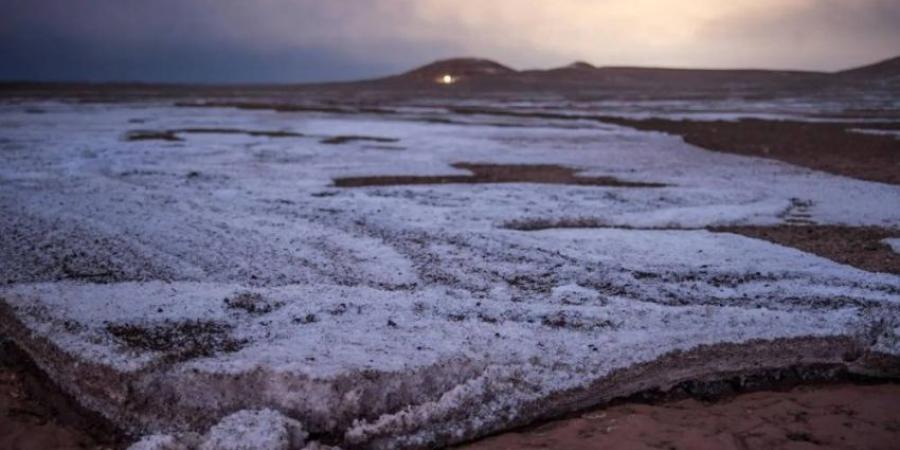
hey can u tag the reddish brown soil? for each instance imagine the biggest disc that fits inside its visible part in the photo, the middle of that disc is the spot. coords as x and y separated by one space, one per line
35 415
843 416
859 247
831 147
495 173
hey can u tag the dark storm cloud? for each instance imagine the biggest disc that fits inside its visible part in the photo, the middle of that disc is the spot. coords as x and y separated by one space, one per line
308 40
195 40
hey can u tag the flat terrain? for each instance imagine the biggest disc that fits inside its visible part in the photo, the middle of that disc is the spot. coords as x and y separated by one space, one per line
413 274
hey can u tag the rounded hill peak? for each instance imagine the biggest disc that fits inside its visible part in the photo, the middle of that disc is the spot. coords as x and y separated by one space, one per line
581 65
460 68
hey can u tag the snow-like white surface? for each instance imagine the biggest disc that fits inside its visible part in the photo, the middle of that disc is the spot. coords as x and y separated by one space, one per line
420 290
244 430
894 243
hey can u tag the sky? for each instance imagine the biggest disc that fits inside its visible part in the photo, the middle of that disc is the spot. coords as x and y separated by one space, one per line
283 41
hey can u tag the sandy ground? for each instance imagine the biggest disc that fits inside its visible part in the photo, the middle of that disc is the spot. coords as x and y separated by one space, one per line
842 416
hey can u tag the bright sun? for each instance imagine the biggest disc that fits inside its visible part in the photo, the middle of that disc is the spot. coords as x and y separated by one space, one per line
447 79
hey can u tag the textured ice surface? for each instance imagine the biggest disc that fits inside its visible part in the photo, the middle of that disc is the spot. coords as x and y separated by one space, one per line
244 430
894 243
171 284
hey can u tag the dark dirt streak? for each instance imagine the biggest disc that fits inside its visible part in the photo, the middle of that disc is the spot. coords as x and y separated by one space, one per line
149 135
254 133
496 173
343 139
287 107
538 224
173 135
180 341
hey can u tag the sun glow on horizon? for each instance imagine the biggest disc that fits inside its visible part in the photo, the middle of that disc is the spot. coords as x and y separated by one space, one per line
446 79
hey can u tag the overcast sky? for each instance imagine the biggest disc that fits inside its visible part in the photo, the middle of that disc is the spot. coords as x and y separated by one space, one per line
314 40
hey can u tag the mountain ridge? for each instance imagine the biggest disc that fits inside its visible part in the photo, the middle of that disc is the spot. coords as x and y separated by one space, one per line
472 75
476 65
480 74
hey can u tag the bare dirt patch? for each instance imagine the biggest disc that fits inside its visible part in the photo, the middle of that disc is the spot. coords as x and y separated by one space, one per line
179 340
859 247
343 139
833 147
152 135
831 416
289 107
546 224
496 173
173 135
35 414
254 133
252 303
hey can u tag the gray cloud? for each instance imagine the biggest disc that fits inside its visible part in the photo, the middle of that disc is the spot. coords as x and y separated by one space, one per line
203 40
309 40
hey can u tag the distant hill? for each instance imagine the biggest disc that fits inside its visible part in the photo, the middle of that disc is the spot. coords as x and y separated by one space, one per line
638 76
461 77
888 69
476 74
459 68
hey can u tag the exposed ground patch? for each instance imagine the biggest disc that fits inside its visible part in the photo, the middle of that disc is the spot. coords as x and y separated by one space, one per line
496 173
179 340
252 303
289 107
385 147
152 135
824 416
343 139
537 224
173 135
36 414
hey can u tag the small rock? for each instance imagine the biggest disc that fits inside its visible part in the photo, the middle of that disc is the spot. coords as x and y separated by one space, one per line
263 429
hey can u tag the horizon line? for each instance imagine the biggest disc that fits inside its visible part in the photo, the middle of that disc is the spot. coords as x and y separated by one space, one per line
135 82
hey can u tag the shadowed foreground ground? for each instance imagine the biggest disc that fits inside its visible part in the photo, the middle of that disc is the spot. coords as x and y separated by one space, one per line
832 417
33 415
